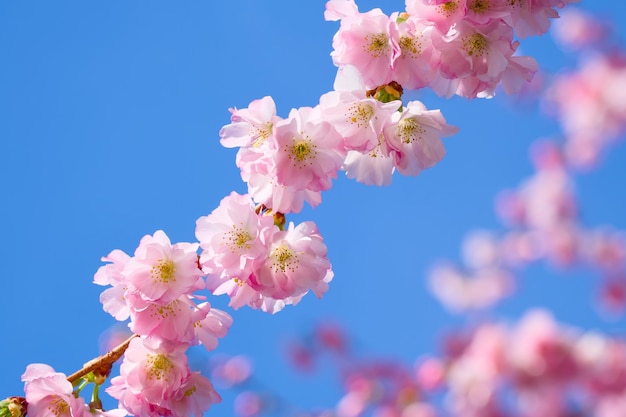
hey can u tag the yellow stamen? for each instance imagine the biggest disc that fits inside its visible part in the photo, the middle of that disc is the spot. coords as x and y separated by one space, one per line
163 271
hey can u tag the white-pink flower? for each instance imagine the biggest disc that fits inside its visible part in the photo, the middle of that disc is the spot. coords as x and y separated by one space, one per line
150 375
195 396
250 126
309 151
367 41
162 272
233 238
50 394
358 119
417 63
414 138
296 264
113 299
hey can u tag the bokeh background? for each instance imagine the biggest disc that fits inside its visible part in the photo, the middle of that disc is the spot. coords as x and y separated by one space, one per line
109 121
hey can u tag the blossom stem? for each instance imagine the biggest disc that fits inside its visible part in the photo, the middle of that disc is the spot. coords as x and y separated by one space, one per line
105 361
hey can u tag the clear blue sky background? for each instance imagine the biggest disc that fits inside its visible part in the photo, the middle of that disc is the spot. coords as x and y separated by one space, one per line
109 121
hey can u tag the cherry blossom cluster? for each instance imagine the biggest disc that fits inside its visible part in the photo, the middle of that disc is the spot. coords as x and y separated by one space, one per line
543 220
588 101
535 367
256 262
246 249
287 162
543 214
49 393
463 47
154 288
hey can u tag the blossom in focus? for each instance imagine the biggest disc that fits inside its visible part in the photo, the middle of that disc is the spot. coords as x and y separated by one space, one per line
50 394
368 41
233 238
296 263
414 138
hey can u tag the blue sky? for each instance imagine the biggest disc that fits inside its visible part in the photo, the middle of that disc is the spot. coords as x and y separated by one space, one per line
109 131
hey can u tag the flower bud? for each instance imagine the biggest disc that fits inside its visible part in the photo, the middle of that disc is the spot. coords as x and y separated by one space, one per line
13 407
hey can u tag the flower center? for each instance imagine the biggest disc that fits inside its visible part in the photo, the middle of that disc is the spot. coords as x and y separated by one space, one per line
283 258
409 130
260 133
58 406
163 271
475 44
237 239
158 367
410 46
377 45
479 6
190 391
448 8
301 151
360 114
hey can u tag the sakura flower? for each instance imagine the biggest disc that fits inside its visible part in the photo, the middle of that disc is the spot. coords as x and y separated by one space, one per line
250 126
414 138
162 272
367 41
173 322
358 119
477 55
113 299
416 65
195 396
310 151
50 394
233 238
150 376
297 263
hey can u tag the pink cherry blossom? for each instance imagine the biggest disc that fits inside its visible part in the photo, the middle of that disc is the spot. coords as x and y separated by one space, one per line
296 264
194 397
359 120
50 394
417 63
309 151
251 126
367 41
162 272
173 322
233 238
475 56
414 138
150 376
112 299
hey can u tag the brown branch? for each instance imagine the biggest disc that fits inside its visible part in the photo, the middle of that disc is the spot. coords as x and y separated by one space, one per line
104 361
